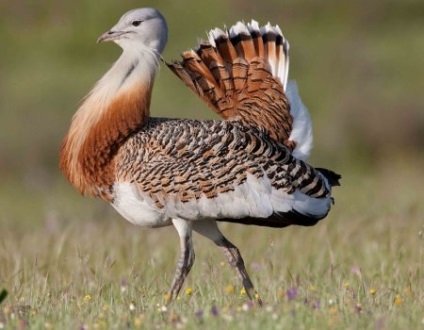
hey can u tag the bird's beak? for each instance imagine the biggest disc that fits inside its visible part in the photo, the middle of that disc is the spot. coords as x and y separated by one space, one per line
110 35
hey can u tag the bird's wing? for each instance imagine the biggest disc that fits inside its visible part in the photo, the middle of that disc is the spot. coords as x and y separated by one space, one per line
221 170
241 73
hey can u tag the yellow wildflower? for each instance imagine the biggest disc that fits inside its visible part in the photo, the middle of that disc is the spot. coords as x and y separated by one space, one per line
398 300
87 297
229 289
138 321
281 293
189 291
407 292
373 291
333 310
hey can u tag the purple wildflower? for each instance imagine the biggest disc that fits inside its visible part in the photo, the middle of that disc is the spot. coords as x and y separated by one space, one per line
291 293
124 285
316 305
214 311
247 305
358 308
199 314
356 270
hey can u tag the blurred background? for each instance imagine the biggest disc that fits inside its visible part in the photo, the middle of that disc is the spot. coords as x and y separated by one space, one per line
359 66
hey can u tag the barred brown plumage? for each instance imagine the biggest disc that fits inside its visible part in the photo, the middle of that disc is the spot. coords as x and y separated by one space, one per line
250 168
229 151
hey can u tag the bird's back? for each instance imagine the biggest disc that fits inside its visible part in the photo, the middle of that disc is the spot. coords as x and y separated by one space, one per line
219 170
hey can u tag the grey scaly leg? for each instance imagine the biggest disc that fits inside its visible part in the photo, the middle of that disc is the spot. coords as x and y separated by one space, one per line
209 229
184 229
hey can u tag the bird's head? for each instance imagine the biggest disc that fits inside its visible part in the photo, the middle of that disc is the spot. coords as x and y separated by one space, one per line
139 28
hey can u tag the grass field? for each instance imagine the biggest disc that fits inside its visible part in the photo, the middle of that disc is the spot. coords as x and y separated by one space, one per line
80 266
72 263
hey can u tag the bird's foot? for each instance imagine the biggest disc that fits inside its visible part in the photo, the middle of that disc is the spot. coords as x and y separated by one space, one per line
254 296
258 300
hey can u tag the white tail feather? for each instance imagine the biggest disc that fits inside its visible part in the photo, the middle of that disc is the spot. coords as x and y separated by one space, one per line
302 127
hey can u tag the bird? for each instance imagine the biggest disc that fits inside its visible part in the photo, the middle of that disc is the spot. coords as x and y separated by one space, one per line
248 167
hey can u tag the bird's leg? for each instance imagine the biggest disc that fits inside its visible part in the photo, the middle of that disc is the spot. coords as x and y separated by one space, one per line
186 260
209 229
235 259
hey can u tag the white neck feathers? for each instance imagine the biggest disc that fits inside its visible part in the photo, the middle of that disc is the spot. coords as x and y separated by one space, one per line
132 70
118 104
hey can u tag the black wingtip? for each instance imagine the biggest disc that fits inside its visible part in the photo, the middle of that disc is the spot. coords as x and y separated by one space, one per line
332 177
280 219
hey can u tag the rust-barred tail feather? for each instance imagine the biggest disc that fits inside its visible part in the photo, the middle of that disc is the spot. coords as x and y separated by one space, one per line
241 73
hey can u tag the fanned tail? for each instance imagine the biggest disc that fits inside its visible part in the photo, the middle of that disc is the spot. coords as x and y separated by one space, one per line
241 73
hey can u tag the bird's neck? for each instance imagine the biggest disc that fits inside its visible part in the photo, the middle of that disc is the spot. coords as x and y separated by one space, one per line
116 108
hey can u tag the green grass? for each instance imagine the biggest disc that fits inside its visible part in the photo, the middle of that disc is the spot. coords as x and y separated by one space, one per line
83 266
69 262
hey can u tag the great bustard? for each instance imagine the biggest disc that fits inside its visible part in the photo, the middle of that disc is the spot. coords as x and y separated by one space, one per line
249 168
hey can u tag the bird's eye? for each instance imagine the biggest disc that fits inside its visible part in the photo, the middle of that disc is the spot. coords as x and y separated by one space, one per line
136 23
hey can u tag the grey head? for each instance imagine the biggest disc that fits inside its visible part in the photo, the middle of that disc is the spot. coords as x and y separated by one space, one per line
137 29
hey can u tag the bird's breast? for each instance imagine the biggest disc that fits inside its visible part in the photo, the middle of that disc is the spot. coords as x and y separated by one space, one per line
137 208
